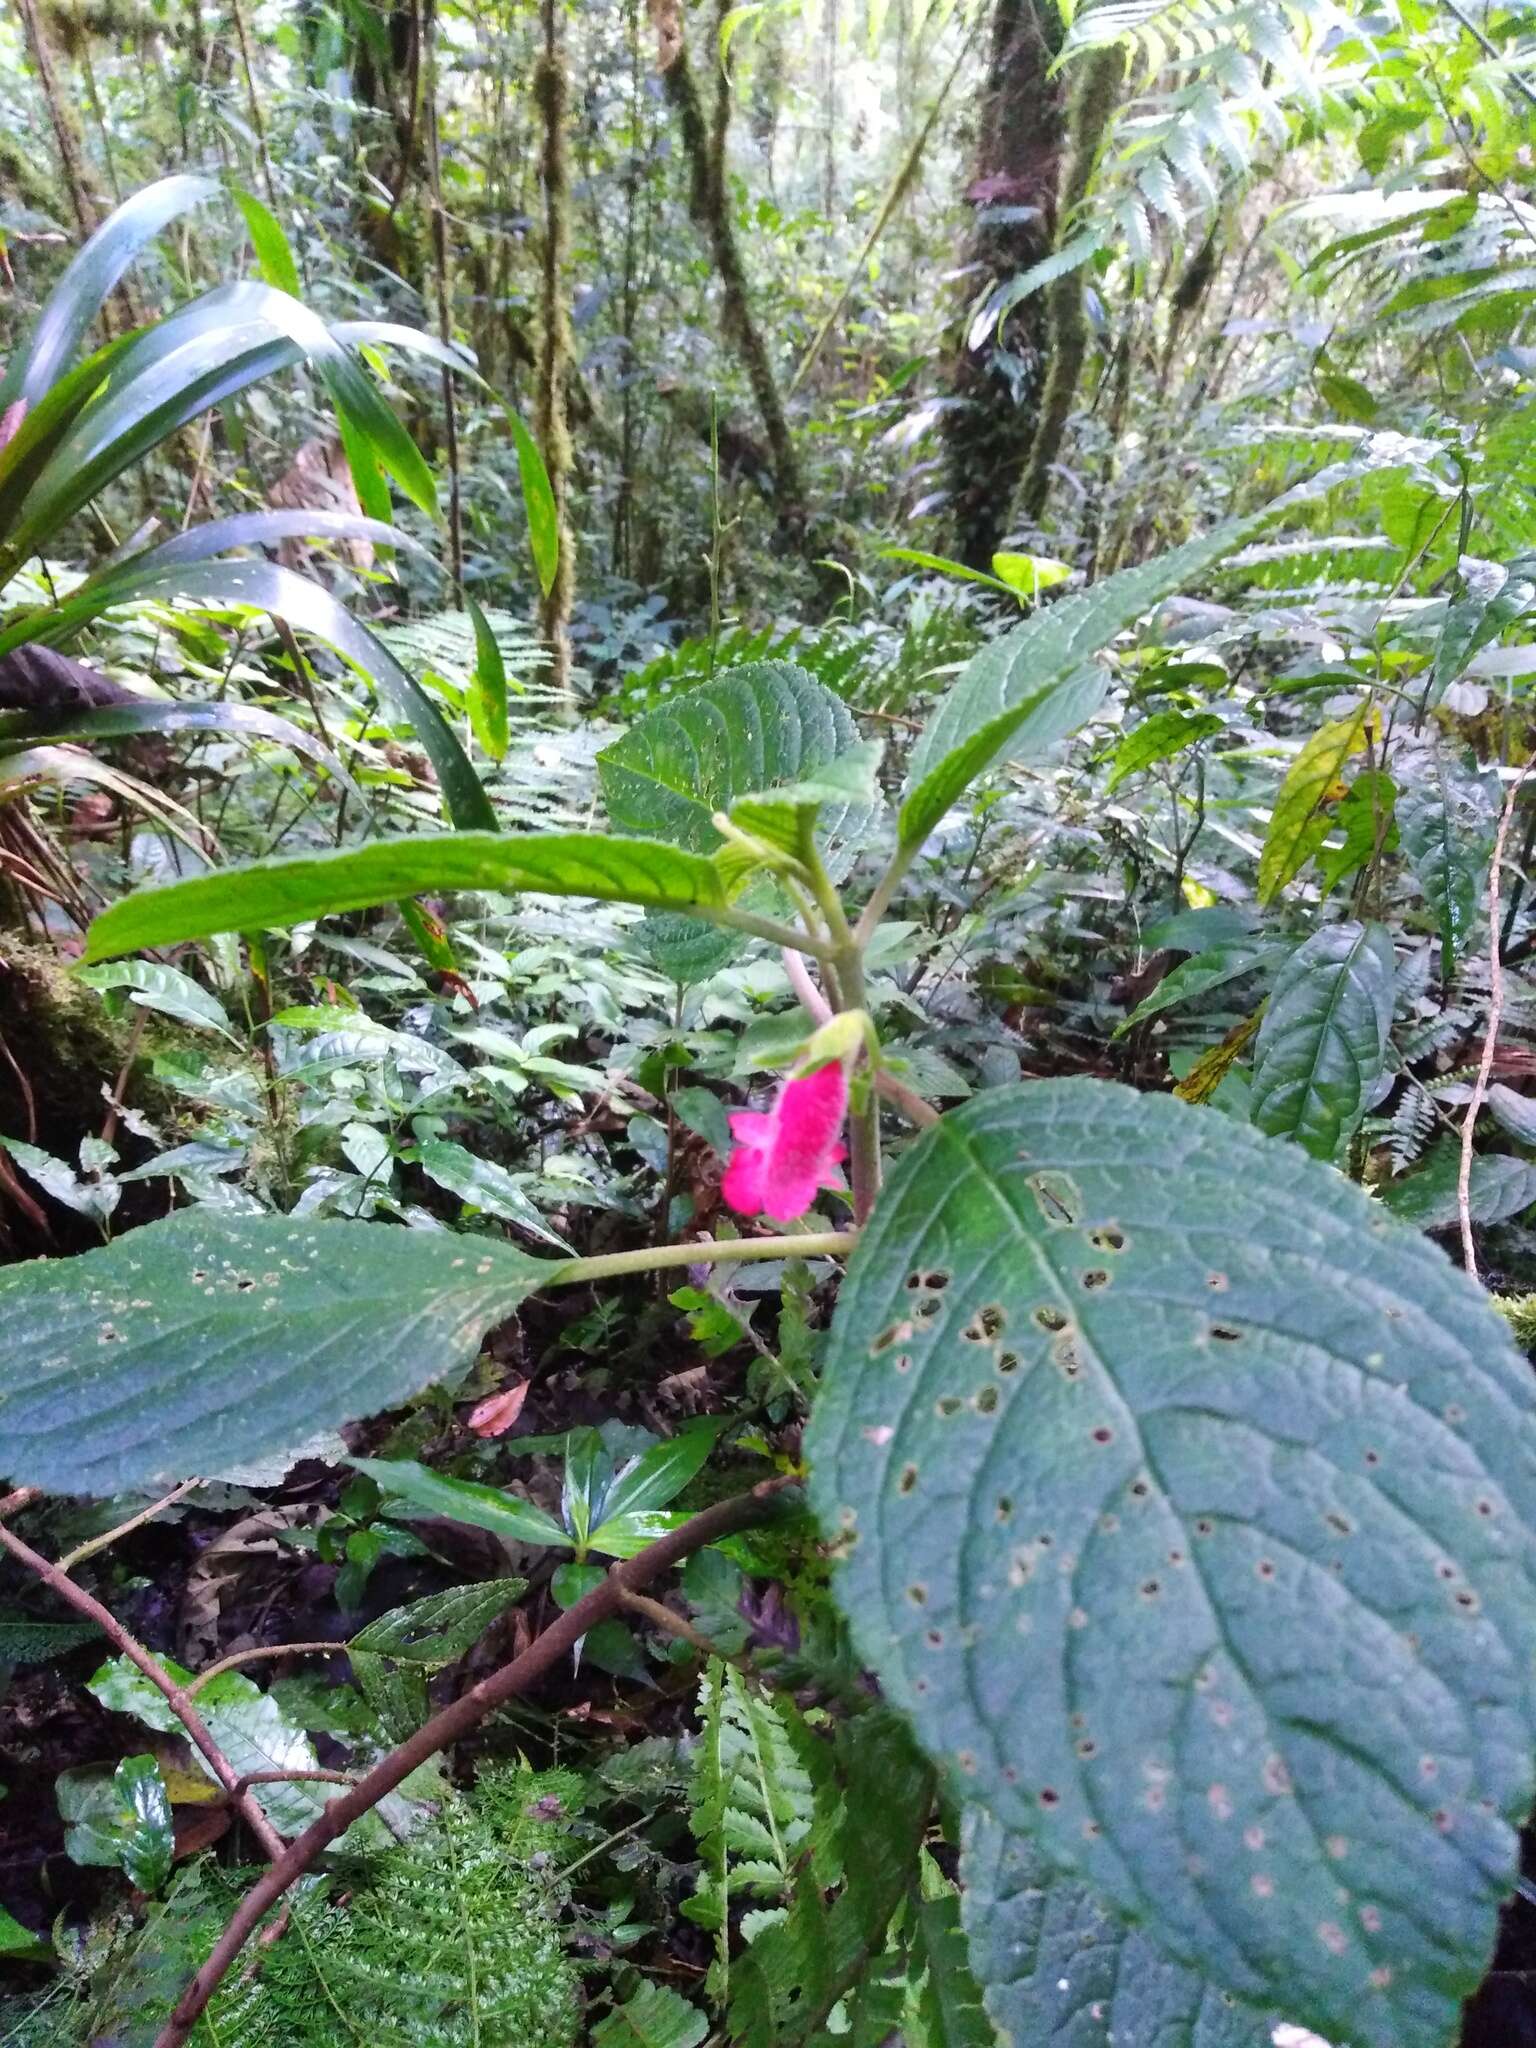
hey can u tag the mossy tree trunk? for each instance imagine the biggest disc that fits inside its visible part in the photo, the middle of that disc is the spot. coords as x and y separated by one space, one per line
1095 97
1017 166
552 421
708 202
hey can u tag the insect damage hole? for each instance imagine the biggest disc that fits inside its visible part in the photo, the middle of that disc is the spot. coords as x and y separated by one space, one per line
1056 1196
986 1325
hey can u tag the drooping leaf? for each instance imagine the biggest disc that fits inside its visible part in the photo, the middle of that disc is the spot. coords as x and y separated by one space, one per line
1300 822
89 280
462 1500
1056 1964
1119 1387
277 893
1447 817
205 1341
152 986
1323 1043
1219 964
485 1185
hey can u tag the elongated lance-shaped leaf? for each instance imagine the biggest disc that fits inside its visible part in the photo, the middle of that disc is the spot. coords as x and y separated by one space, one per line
80 293
274 893
1300 821
1447 816
263 586
1189 1509
54 625
27 451
1323 1043
25 729
1056 1963
207 1341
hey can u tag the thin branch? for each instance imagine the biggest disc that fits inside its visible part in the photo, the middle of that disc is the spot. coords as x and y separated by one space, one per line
176 1698
239 1657
662 1617
82 1551
13 1503
1491 1035
244 1784
726 1518
1489 48
816 1244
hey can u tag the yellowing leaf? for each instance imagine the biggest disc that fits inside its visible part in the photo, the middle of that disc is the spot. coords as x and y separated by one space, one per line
1300 823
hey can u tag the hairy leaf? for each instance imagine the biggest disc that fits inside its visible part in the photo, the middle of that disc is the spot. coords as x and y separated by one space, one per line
1190 1511
207 1340
1447 817
1056 1964
1323 1043
285 892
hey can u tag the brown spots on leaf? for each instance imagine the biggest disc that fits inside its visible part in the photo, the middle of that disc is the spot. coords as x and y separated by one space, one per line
1333 1937
1262 1885
1276 1776
1050 1317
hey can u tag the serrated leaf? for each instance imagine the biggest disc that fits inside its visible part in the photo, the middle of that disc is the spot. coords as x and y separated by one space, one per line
1159 738
276 893
441 1628
1447 818
1299 822
947 2004
39 1642
1323 1043
656 2017
1055 1964
1193 1509
751 729
206 1340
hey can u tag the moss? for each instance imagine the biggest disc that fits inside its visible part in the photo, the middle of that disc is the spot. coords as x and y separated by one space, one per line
60 1036
1519 1311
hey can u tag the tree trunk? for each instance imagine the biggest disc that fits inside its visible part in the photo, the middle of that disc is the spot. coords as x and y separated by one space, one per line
66 128
1020 136
703 148
1094 100
552 419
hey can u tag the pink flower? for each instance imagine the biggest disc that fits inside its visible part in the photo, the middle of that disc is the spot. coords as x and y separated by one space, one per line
782 1157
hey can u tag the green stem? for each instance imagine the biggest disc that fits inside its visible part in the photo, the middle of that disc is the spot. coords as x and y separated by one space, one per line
766 928
863 1124
819 1244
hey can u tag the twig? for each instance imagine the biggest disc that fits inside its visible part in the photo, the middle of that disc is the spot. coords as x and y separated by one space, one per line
13 1503
1491 1035
82 1551
124 1076
251 1778
239 1657
897 1093
662 1617
452 1724
176 1698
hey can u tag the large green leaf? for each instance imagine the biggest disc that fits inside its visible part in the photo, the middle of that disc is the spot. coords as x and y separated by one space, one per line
1034 686
764 724
1055 1964
1189 1506
88 282
461 1500
206 1341
1323 1043
283 892
1447 816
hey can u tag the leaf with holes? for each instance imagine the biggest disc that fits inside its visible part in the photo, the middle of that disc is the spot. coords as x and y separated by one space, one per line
1055 1964
205 1341
1323 1042
1189 1506
1447 816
